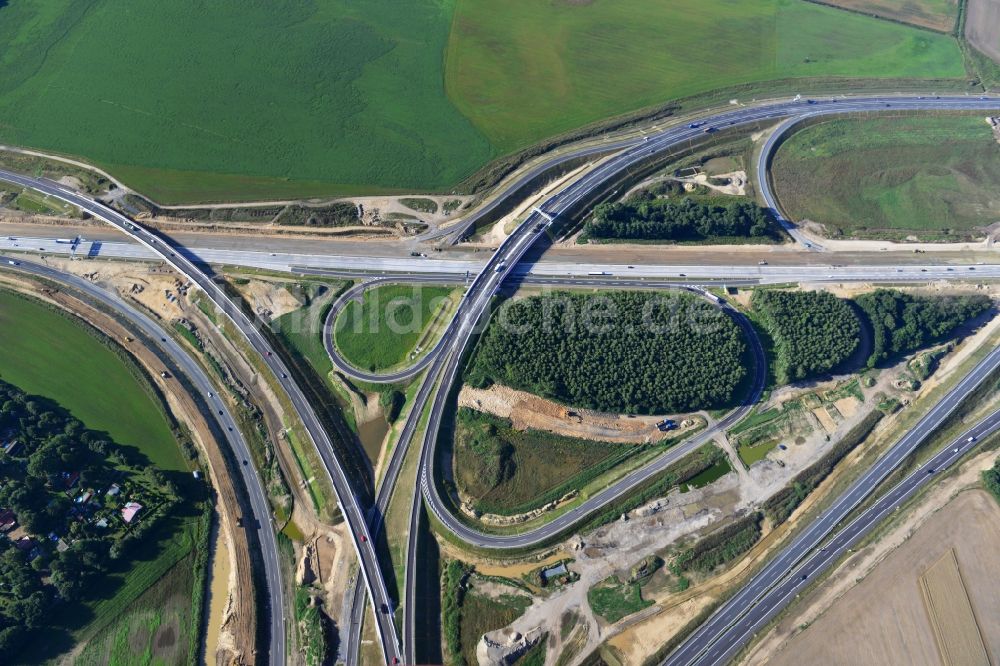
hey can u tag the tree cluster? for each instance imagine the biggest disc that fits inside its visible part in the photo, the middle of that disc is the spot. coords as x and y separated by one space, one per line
813 331
685 220
33 486
902 322
617 352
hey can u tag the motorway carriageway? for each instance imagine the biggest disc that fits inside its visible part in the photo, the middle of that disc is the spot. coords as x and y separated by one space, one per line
728 629
501 264
351 508
219 412
356 267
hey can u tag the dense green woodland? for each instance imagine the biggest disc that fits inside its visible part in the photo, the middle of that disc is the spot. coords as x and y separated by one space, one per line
813 331
684 220
631 352
35 485
903 323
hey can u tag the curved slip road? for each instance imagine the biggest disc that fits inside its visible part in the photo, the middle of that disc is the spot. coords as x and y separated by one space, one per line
512 250
226 424
514 247
350 506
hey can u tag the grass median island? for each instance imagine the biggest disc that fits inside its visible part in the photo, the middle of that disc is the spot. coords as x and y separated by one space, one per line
522 70
697 220
508 471
46 352
814 331
388 324
632 352
933 177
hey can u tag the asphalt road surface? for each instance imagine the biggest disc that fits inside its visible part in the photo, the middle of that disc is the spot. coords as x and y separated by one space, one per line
220 413
353 512
724 633
496 270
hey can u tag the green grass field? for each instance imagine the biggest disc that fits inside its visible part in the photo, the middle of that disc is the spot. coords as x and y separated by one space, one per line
523 70
153 629
613 600
930 177
237 100
381 331
47 353
189 102
509 471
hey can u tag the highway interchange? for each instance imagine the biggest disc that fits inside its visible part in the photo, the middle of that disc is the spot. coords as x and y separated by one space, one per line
442 366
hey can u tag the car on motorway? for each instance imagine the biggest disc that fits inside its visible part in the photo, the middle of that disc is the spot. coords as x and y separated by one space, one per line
971 439
363 538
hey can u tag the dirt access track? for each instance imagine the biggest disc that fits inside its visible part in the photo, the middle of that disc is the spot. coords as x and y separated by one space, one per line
238 627
982 26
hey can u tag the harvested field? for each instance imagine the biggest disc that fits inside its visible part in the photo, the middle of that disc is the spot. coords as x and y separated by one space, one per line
939 15
951 614
885 614
982 26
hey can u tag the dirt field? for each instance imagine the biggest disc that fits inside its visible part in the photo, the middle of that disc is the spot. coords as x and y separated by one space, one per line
982 26
526 410
937 15
885 615
947 601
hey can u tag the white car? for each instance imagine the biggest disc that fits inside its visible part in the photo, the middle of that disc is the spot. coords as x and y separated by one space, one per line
971 439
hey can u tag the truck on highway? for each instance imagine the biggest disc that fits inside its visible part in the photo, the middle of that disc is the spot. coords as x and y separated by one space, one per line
598 273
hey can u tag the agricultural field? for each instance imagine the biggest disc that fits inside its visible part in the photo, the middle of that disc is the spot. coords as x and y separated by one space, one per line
188 102
389 323
933 178
190 106
522 70
47 353
886 614
982 28
939 15
154 629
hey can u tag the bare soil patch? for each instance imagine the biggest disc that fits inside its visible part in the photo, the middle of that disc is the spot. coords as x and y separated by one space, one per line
884 614
982 26
939 16
526 410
